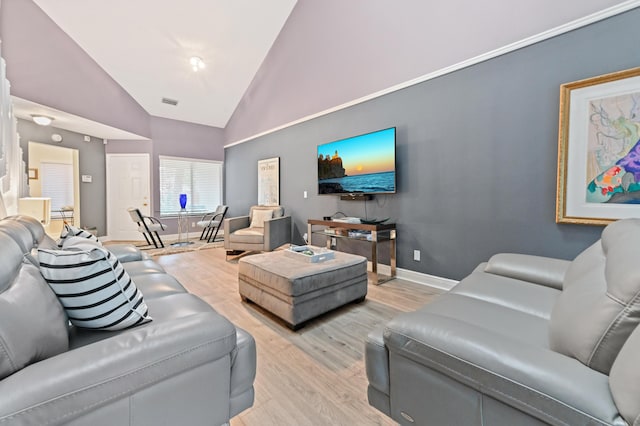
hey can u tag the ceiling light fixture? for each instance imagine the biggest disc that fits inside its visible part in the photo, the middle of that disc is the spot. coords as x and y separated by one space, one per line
42 120
196 63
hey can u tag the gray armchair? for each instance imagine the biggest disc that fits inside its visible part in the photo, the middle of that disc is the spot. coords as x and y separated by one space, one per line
264 229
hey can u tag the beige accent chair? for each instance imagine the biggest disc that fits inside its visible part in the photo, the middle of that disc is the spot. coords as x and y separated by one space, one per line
211 222
148 226
264 229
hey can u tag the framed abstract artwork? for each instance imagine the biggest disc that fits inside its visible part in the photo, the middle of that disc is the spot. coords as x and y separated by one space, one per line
269 182
599 149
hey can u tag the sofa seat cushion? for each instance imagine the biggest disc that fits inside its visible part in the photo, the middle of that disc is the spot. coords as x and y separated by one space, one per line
141 267
511 293
501 320
600 303
93 287
158 285
248 236
126 252
169 309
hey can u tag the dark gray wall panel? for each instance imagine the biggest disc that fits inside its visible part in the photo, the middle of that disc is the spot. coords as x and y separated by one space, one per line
476 154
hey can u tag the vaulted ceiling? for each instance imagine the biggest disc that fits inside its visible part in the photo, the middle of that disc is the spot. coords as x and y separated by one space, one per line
146 46
327 54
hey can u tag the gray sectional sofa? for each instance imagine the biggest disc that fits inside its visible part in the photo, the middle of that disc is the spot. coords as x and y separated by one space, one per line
188 365
523 340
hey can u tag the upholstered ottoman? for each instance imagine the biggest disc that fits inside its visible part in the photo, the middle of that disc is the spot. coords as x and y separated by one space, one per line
296 290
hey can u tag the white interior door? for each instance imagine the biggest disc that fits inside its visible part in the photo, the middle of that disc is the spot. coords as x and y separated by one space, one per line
128 185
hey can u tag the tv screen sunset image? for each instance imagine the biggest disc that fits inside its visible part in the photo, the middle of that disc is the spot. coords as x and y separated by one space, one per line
361 164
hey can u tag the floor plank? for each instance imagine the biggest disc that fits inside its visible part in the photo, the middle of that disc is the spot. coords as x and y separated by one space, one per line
313 376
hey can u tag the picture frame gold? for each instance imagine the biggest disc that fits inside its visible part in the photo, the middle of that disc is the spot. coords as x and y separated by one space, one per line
33 174
598 179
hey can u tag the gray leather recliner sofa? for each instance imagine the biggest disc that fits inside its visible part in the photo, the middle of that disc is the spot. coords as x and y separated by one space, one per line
523 340
188 366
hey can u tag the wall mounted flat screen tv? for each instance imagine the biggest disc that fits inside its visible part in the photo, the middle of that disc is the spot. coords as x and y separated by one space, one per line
364 164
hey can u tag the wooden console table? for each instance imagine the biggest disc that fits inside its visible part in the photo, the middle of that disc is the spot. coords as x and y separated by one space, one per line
379 233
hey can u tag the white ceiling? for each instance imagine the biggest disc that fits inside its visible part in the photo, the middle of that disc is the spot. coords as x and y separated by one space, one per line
24 109
145 46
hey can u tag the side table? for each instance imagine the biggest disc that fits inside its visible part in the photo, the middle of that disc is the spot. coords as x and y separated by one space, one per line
183 229
377 234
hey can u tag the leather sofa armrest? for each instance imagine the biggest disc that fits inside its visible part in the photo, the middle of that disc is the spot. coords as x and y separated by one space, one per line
243 372
544 271
376 361
533 379
69 385
277 231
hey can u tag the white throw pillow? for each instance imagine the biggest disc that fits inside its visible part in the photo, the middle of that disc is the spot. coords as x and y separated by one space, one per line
259 216
72 231
93 287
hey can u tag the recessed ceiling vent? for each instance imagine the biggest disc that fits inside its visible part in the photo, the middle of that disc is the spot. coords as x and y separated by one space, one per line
169 101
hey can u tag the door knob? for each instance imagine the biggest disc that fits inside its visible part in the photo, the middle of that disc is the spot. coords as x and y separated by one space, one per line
144 204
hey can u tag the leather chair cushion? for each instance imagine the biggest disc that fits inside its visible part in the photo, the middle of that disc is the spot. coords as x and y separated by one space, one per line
93 287
33 325
599 306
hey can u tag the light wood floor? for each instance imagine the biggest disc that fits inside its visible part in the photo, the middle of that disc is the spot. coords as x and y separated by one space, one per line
314 376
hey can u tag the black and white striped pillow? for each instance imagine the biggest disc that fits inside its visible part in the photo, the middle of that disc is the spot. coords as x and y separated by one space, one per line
72 231
93 287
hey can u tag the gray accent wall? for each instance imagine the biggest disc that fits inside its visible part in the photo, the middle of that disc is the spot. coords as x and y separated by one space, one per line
476 154
91 158
332 52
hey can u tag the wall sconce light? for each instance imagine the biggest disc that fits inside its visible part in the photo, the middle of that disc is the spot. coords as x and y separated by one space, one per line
196 63
42 120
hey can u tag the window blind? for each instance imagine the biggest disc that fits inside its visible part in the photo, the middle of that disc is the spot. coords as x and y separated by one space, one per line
57 184
201 180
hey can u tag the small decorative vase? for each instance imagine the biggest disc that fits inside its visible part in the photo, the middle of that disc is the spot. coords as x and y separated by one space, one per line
183 201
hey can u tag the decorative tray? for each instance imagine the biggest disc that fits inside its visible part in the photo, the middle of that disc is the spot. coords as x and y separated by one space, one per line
309 254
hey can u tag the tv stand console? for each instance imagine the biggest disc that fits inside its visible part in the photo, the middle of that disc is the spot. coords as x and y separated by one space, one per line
360 231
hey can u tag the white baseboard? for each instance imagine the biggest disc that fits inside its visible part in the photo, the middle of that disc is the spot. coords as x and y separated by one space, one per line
440 283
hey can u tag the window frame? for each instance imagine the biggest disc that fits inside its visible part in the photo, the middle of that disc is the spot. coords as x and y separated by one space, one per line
174 213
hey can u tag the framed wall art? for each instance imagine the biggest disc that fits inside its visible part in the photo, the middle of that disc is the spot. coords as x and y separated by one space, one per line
599 149
269 182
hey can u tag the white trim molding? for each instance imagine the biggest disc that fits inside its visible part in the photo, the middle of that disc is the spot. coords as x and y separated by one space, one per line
440 283
545 35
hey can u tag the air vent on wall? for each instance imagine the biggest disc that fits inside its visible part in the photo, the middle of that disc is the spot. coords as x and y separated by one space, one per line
169 101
